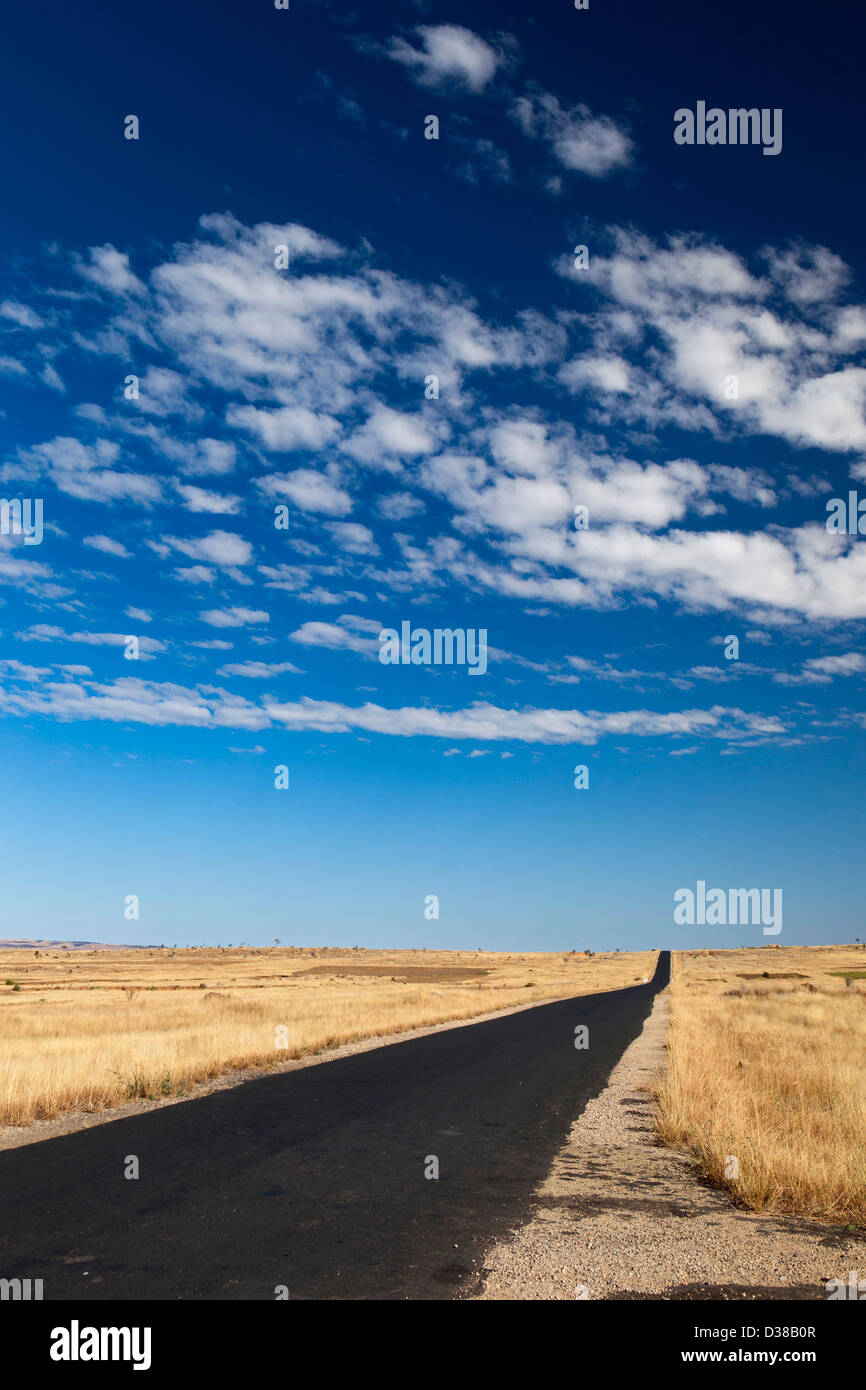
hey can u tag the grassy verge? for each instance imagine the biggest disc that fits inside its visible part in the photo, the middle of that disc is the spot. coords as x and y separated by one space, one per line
766 1077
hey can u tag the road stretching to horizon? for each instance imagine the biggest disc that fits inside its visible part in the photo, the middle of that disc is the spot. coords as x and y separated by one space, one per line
315 1179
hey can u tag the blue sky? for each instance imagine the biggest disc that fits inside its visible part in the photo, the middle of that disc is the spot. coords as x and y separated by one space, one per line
607 386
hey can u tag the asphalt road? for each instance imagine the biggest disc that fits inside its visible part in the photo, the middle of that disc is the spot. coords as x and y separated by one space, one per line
314 1179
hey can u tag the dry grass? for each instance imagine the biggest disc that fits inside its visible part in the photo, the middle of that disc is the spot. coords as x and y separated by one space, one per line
772 1071
88 1030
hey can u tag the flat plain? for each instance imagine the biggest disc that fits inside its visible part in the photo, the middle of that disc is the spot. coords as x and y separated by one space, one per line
89 1030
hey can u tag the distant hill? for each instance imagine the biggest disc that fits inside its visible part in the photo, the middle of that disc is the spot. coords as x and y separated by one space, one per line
26 945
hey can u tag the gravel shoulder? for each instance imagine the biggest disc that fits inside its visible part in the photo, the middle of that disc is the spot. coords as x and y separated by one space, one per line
622 1217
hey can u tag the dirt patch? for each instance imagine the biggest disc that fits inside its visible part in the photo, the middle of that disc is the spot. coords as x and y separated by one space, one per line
406 974
772 975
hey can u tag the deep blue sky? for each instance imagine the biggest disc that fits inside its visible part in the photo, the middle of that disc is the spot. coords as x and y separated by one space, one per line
558 387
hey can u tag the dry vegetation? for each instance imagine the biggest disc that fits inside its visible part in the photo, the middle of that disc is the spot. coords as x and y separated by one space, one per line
767 1063
88 1030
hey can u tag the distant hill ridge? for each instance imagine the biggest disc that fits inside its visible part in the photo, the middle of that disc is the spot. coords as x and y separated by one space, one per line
25 944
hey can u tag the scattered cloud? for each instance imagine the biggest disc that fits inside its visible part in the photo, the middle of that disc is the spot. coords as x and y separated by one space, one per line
447 55
233 617
580 141
108 546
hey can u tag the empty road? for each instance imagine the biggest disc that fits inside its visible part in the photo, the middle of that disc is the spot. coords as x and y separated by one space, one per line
315 1179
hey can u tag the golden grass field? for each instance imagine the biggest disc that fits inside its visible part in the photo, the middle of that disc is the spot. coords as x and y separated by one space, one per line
771 1071
87 1030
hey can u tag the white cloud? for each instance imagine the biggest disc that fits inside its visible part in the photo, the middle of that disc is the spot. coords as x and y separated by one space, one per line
47 632
258 670
133 700
196 574
108 546
286 429
207 456
449 54
309 490
234 617
222 548
198 499
823 670
336 637
17 670
710 344
164 392
28 574
10 366
799 572
20 314
88 472
399 506
605 373
109 269
299 355
52 378
389 437
581 141
808 274
844 664
353 538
